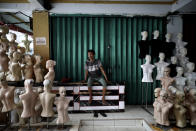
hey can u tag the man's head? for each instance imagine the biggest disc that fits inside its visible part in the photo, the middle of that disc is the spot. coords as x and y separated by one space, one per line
91 54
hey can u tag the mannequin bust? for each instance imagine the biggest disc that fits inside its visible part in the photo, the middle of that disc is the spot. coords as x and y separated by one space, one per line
147 70
161 109
190 75
179 109
62 104
6 95
13 44
173 66
157 92
38 69
143 45
47 99
168 46
28 68
29 99
180 81
161 65
191 104
180 44
15 68
4 31
182 57
51 74
166 80
156 44
27 43
4 60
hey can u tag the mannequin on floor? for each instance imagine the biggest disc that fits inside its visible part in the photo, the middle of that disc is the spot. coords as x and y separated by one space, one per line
190 75
161 109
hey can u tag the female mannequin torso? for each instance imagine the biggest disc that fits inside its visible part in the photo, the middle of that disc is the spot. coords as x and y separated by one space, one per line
180 81
147 70
47 100
29 99
62 104
7 96
51 74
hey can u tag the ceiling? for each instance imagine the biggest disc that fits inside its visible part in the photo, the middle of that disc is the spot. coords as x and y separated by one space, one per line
19 12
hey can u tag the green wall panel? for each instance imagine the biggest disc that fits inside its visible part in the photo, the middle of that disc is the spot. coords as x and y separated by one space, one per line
114 40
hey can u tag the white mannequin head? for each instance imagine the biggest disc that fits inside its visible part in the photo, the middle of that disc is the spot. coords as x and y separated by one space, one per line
62 91
144 35
190 66
50 63
173 59
156 34
148 59
161 56
47 85
179 36
180 71
183 52
168 37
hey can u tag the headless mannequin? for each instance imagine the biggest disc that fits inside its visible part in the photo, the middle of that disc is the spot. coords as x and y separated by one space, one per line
191 104
26 43
190 75
38 69
156 44
28 68
143 45
168 46
29 99
51 74
180 81
147 70
161 65
6 96
4 60
179 109
15 68
47 99
62 104
173 66
161 109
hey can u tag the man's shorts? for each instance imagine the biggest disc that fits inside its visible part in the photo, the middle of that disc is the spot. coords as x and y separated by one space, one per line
98 79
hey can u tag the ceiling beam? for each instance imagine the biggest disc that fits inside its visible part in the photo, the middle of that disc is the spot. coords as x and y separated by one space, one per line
179 4
38 4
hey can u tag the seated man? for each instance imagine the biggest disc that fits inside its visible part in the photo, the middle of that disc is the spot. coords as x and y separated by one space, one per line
94 71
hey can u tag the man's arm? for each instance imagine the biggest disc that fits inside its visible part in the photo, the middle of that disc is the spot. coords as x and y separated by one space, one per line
86 75
103 72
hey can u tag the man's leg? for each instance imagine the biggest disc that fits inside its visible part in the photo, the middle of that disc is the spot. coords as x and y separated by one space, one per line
103 82
89 83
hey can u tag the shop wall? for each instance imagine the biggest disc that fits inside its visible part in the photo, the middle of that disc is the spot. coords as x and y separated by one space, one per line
114 40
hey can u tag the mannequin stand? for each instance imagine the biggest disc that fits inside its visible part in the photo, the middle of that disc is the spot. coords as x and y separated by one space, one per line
29 125
47 123
145 107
